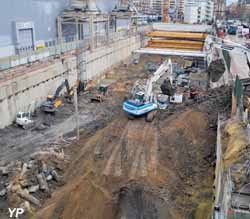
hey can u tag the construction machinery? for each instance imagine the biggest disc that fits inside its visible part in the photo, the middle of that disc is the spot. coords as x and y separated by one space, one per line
100 93
71 90
53 102
143 101
79 87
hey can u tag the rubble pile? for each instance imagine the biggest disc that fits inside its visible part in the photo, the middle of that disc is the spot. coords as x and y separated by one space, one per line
28 183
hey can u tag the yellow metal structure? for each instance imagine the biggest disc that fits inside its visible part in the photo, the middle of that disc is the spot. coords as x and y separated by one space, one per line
178 35
176 40
176 44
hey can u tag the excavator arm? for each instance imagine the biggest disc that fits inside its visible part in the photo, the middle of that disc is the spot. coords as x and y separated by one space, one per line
165 68
58 91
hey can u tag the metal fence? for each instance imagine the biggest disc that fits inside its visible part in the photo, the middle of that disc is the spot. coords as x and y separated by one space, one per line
57 49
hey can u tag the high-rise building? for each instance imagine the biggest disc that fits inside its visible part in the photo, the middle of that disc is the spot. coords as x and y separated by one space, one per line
198 11
158 6
244 2
244 9
177 4
220 9
149 6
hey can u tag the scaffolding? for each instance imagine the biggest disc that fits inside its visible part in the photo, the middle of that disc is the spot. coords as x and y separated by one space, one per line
79 19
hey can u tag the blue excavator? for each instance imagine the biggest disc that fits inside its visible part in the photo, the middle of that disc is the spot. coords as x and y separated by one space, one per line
144 101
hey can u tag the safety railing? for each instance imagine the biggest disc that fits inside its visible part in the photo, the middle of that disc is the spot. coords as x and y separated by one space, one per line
32 56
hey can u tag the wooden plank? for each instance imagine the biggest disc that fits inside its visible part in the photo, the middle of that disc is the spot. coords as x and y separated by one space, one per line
181 35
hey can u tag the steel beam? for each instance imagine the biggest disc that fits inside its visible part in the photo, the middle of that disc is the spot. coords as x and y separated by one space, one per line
181 35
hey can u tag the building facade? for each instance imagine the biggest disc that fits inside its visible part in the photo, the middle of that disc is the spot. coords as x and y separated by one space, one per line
220 7
151 7
157 6
28 23
244 2
198 11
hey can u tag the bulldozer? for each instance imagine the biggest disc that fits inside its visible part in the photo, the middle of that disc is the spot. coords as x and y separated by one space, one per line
99 94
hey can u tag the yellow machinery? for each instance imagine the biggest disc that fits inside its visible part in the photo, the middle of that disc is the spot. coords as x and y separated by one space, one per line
53 102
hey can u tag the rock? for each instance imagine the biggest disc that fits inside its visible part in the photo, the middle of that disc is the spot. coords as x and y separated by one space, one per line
30 164
33 189
3 192
55 175
43 185
4 171
24 170
24 183
26 206
15 188
26 196
49 177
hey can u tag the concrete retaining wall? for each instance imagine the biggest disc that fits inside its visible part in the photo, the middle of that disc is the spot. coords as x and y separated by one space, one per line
105 57
27 91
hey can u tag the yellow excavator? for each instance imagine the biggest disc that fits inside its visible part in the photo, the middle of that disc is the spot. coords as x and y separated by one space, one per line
53 101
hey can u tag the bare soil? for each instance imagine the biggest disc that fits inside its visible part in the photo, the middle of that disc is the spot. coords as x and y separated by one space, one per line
134 169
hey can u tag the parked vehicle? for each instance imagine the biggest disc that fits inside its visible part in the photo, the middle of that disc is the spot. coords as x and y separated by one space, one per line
232 30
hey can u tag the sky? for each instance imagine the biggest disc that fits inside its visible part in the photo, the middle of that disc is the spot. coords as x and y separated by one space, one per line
230 1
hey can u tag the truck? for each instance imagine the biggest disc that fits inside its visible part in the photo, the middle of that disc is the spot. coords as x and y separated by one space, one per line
24 120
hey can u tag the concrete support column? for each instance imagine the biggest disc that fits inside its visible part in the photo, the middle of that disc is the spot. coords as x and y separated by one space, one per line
130 26
115 22
59 30
91 31
77 29
107 30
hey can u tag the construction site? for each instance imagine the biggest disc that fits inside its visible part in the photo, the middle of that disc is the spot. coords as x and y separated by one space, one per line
150 121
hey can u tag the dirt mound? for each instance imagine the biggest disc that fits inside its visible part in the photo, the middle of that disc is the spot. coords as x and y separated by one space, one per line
235 141
135 169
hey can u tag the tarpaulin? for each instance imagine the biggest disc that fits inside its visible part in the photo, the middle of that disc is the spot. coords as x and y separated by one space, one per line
227 58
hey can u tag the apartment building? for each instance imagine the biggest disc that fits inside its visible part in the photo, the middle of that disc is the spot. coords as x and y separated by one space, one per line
244 2
198 11
220 9
178 4
157 6
153 7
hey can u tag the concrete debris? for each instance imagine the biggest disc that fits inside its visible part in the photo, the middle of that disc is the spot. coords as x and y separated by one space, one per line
26 206
49 153
29 180
49 177
3 192
24 194
55 175
4 171
33 189
43 185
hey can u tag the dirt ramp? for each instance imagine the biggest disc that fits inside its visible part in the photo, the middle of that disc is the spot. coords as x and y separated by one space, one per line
135 170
